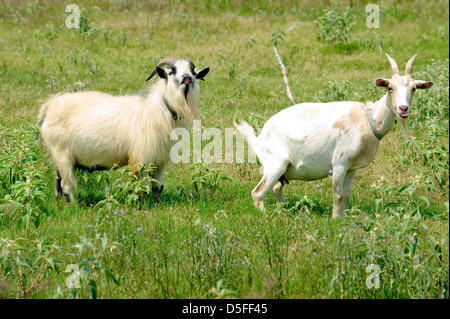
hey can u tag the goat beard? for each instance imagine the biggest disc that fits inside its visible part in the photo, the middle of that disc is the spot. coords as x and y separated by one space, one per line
183 101
404 125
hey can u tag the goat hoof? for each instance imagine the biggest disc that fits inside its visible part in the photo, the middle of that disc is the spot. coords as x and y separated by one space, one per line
157 191
66 198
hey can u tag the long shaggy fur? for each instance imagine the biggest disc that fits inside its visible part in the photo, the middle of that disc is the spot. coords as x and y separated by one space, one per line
98 130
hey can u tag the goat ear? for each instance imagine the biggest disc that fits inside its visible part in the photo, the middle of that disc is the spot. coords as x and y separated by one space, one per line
200 75
161 72
423 84
381 82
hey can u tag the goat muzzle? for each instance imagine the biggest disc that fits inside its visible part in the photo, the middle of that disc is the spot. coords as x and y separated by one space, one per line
186 80
404 109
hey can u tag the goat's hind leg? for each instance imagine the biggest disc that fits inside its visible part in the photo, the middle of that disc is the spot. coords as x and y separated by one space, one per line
277 189
272 174
65 180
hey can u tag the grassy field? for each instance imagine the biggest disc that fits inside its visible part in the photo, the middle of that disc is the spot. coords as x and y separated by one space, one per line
204 238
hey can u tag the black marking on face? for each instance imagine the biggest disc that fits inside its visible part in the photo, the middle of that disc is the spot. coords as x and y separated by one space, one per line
193 71
186 91
173 70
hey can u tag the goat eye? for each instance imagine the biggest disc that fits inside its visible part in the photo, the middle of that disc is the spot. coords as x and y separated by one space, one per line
413 89
172 71
390 89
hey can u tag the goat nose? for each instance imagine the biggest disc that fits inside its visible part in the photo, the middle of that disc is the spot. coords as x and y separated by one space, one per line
187 79
403 108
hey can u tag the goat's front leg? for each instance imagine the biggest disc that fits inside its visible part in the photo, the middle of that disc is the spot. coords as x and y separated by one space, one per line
58 188
347 188
157 187
339 204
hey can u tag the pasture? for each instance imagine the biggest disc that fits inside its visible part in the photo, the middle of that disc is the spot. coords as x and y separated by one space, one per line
204 238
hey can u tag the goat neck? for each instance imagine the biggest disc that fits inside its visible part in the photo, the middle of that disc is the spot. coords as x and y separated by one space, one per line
384 118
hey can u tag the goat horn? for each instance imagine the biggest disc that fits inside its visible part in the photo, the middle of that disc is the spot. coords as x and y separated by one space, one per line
189 60
409 65
394 65
170 60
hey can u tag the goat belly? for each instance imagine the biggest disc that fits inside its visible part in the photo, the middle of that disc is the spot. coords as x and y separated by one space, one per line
98 158
307 173
309 158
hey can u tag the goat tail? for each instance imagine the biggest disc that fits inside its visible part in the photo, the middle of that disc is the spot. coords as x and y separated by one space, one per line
249 133
43 113
44 109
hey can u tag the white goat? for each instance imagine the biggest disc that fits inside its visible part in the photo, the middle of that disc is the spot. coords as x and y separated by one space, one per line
309 141
93 130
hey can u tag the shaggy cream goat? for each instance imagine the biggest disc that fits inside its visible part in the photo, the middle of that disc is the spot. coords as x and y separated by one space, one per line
309 141
93 130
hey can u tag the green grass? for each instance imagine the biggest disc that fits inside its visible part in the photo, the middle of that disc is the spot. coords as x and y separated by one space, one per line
204 232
